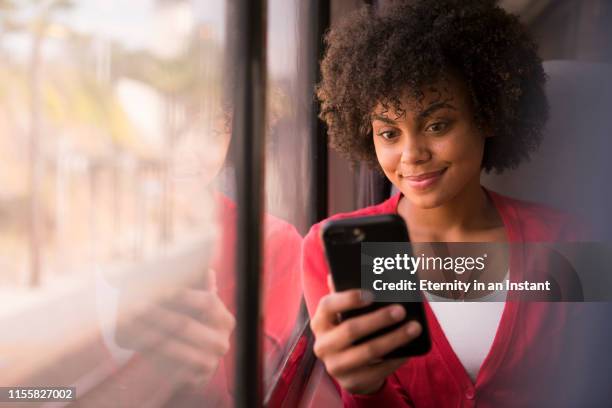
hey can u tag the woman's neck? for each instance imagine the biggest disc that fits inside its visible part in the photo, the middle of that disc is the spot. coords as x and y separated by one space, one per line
467 213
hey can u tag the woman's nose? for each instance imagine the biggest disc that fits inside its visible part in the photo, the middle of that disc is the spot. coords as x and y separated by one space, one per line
415 151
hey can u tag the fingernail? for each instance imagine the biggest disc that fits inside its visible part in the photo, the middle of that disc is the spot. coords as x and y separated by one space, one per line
413 329
367 297
398 312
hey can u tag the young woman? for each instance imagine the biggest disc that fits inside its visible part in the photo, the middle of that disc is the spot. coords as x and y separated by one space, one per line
431 93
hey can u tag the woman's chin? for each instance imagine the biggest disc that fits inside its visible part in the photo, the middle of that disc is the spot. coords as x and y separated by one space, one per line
425 200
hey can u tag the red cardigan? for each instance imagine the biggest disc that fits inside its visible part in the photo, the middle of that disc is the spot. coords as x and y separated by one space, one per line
281 296
529 348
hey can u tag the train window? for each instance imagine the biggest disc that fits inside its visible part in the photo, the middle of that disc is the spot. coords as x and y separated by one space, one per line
286 201
119 207
287 181
116 206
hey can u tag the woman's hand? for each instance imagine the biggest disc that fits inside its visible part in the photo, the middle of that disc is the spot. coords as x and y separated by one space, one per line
187 334
195 341
359 368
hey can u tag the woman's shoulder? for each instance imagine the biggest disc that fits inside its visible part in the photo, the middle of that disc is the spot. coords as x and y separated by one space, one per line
528 208
538 222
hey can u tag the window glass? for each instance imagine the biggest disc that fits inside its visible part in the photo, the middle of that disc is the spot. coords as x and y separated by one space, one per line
116 210
287 179
286 187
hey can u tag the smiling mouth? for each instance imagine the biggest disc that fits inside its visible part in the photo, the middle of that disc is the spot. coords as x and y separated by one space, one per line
424 181
425 176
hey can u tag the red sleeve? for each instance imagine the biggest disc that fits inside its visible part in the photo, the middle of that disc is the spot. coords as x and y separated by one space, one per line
390 395
281 283
314 269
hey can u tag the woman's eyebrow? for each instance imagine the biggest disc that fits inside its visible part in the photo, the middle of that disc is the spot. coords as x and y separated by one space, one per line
432 108
383 119
420 116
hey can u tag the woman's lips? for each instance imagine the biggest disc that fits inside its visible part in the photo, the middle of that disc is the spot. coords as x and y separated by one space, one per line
425 180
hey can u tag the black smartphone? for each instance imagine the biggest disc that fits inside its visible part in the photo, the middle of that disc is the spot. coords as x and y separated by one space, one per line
342 240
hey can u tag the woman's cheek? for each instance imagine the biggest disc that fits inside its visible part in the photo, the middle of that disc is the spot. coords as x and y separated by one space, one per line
388 160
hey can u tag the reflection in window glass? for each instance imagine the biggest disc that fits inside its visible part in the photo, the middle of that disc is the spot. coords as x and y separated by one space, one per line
287 149
287 181
116 209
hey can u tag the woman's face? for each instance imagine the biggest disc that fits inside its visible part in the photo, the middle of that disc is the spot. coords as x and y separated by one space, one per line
431 150
200 155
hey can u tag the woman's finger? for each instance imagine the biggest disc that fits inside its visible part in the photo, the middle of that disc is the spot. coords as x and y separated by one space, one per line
207 306
212 280
330 305
373 350
161 324
350 330
176 356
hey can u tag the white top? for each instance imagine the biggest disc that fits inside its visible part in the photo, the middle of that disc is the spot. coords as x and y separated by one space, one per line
470 327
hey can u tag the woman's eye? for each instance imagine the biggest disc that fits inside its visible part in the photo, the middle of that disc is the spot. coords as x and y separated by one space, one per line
387 134
437 127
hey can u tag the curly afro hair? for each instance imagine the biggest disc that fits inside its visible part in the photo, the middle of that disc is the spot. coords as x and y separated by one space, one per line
376 56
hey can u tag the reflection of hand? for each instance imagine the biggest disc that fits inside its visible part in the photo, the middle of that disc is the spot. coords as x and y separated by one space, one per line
359 368
188 334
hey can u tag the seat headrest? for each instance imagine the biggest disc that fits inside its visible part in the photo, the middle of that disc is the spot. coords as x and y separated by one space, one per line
572 168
